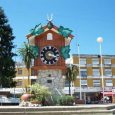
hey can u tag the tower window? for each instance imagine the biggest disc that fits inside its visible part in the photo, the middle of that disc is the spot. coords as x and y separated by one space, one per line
49 36
49 75
49 81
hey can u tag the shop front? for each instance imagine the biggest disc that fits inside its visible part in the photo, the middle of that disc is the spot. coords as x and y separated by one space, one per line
90 95
110 96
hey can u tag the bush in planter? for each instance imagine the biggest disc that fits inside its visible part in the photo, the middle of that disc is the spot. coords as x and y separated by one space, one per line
39 92
55 99
66 100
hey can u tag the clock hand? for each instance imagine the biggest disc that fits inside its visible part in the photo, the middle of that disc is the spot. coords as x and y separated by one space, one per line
52 55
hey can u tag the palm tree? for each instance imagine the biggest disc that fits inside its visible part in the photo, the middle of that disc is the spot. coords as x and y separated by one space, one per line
27 55
71 74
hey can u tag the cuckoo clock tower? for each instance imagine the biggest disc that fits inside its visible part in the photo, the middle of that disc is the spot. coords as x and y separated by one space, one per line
52 44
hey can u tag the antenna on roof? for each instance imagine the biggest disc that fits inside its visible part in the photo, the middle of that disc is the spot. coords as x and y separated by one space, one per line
50 17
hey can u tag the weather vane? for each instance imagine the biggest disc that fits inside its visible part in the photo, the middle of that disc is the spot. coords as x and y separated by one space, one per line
50 17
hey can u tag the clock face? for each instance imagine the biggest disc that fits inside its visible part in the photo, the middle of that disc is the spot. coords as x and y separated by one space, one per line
49 55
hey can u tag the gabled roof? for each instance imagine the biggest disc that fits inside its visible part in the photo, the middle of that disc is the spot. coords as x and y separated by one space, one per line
38 29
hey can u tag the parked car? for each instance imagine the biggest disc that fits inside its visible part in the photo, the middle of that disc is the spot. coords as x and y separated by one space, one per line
11 100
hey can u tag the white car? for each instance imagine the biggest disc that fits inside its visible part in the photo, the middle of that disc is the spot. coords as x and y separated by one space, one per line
4 99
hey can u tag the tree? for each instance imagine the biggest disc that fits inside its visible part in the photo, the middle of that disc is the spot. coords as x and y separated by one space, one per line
71 74
27 54
7 64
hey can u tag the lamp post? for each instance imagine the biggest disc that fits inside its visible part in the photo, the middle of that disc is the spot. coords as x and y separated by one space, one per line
100 40
79 72
71 62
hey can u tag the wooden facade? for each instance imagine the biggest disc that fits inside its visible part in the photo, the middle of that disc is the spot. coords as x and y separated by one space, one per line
41 41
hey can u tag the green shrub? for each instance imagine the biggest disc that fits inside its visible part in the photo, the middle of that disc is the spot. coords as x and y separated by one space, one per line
39 92
66 100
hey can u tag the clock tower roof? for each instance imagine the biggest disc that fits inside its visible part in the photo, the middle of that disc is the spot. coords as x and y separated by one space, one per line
39 29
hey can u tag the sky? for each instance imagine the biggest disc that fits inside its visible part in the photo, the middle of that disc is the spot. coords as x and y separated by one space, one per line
88 19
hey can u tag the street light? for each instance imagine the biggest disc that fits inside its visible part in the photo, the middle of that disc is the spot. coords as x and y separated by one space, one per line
79 72
71 62
100 40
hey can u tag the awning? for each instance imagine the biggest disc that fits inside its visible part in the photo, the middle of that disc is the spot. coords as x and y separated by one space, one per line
109 93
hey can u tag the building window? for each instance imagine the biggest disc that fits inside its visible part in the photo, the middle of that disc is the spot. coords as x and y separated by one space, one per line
84 83
96 83
19 83
19 71
82 61
109 83
96 73
95 61
107 61
49 36
83 73
33 81
108 73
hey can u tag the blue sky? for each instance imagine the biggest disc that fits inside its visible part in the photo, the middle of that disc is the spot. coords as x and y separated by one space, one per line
88 19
